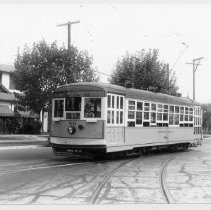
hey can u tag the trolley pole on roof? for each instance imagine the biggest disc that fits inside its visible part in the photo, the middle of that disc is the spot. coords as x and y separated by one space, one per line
196 62
168 77
68 24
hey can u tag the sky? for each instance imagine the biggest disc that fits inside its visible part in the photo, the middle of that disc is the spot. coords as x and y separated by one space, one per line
180 30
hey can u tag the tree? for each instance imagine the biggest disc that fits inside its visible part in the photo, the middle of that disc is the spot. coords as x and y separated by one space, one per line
206 118
146 72
40 70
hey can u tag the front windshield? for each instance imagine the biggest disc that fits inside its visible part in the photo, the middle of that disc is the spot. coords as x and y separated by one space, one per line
73 104
92 107
73 107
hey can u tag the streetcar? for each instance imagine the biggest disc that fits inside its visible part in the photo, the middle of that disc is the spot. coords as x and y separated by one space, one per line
100 118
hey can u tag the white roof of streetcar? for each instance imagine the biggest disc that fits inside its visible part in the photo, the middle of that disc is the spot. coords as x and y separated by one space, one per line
95 89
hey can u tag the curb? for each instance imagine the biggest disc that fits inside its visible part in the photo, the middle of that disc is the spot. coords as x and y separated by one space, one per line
20 147
29 146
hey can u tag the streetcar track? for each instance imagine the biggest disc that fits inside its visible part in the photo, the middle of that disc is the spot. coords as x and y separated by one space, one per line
162 177
99 188
43 166
23 164
95 199
163 184
46 166
11 164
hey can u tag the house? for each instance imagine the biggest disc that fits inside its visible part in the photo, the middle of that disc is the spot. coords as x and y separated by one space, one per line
6 77
209 108
7 100
7 87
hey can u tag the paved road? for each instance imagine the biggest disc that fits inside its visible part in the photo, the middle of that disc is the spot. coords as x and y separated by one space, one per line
189 176
35 176
22 140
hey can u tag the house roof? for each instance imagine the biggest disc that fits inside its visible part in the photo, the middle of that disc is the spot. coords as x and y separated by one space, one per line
3 89
209 107
7 68
101 89
5 111
7 97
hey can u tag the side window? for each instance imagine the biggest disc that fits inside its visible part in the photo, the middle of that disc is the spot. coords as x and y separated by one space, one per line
176 115
115 108
58 108
121 102
139 118
159 112
131 105
109 116
117 102
171 115
121 110
162 115
181 118
135 113
139 112
153 114
186 114
146 112
197 119
131 113
165 113
109 101
110 113
146 120
113 101
190 117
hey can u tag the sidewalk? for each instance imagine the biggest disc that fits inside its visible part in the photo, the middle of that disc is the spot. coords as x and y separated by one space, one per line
23 140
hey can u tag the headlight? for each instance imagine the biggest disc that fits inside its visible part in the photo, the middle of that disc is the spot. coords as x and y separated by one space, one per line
71 130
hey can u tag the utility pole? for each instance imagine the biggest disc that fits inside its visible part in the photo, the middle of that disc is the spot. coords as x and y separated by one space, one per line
68 24
196 62
168 75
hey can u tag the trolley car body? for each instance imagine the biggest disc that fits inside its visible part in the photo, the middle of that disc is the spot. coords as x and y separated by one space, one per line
96 118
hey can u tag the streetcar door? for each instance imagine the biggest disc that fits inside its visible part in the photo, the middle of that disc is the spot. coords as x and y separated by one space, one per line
115 129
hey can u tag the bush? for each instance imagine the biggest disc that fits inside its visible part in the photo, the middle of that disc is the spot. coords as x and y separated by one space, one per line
31 126
13 125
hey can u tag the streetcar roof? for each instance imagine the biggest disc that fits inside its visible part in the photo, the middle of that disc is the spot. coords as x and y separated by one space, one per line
94 89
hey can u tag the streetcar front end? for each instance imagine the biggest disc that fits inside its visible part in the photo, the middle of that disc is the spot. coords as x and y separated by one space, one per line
78 121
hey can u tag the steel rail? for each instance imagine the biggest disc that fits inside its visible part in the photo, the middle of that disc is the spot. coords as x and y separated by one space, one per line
41 166
166 193
95 197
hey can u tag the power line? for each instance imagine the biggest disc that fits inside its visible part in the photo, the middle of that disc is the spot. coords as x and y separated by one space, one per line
180 55
109 75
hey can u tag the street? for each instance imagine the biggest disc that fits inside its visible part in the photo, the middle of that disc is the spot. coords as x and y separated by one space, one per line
36 176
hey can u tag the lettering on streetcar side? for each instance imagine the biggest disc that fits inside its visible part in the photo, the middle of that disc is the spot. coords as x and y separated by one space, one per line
72 123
